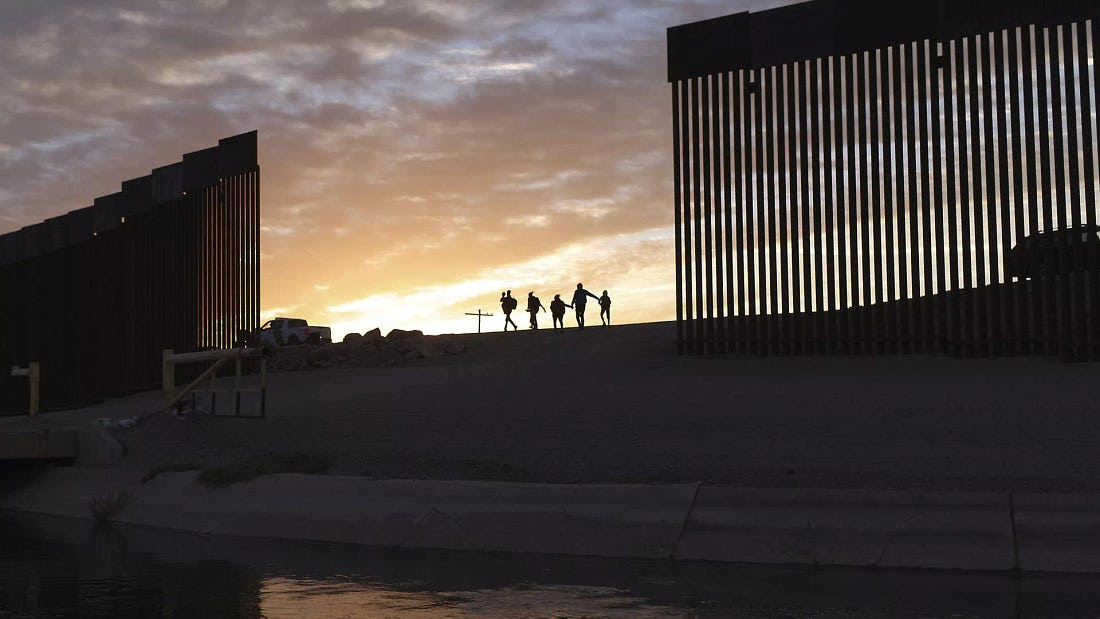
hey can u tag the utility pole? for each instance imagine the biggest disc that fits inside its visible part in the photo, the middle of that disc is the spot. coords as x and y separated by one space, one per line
479 316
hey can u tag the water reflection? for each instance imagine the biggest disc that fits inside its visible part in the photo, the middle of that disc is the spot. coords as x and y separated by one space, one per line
52 567
297 598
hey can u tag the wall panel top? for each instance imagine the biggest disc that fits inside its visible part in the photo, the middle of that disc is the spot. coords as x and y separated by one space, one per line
232 156
237 154
78 226
822 28
200 169
167 183
9 248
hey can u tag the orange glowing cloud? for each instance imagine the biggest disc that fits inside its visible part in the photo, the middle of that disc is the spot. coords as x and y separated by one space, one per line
418 157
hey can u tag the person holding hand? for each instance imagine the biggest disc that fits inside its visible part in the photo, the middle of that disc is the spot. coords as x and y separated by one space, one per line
580 298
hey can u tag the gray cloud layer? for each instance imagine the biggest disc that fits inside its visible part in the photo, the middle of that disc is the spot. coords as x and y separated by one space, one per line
403 143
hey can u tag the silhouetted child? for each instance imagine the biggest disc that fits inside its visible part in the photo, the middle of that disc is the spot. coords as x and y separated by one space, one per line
507 304
557 310
580 298
605 309
533 306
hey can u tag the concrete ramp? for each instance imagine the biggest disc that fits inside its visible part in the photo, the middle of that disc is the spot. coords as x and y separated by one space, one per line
606 520
602 520
955 530
859 528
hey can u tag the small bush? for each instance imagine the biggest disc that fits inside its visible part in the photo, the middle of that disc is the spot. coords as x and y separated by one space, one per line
269 464
106 504
175 467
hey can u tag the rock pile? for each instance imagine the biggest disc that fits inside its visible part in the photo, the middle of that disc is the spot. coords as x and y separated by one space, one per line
369 349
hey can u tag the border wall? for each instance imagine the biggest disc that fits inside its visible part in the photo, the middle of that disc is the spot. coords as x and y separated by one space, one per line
867 177
170 261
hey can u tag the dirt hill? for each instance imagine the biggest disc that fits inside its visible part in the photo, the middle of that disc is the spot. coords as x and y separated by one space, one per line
617 404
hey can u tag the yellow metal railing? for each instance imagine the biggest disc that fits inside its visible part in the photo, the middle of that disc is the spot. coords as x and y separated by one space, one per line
219 358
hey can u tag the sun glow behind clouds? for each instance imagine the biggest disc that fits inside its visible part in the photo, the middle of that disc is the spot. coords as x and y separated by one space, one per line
638 291
418 156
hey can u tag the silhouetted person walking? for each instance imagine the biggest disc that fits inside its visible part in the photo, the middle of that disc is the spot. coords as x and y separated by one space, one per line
580 298
557 310
605 309
507 304
533 306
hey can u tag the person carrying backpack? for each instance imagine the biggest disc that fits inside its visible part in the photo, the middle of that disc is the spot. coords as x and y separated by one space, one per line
507 304
557 310
533 306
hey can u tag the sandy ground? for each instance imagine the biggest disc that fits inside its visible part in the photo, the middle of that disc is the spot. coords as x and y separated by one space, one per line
617 405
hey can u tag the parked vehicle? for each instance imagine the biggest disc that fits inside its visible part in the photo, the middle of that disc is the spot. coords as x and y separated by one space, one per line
1052 252
291 332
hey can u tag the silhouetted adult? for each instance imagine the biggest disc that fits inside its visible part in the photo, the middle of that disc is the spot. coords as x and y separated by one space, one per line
507 304
533 306
580 298
605 309
557 310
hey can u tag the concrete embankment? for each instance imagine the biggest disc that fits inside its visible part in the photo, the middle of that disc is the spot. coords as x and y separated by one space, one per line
940 530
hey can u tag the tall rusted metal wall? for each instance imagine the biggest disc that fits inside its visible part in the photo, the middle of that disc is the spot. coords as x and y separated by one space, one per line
171 261
851 176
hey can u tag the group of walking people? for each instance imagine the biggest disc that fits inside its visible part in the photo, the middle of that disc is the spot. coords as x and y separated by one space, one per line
557 308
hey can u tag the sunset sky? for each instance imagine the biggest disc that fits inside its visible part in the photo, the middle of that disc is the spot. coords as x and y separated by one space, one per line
418 156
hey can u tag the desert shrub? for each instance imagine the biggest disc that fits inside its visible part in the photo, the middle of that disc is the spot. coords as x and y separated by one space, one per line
107 504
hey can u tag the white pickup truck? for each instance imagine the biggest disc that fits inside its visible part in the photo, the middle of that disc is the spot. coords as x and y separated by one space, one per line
291 332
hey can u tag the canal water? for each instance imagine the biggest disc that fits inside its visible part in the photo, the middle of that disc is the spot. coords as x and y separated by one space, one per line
60 567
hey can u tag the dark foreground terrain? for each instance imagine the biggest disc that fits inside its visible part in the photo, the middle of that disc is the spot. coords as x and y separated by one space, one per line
618 405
